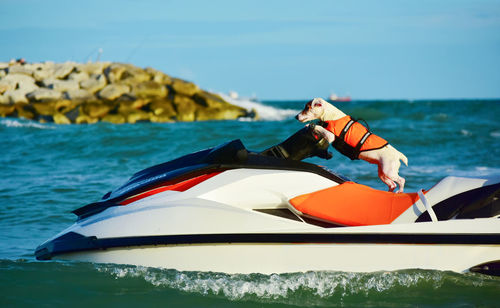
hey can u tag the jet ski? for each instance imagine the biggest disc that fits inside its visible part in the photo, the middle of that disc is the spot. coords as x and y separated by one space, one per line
232 210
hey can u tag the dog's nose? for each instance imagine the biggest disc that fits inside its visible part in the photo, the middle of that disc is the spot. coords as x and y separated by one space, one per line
297 117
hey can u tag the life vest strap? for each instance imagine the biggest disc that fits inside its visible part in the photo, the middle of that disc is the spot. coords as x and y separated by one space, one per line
346 128
343 147
361 142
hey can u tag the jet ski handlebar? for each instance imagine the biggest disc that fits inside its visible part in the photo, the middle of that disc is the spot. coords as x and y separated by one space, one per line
301 145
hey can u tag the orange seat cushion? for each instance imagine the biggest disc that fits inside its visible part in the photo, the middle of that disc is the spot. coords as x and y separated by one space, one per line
353 204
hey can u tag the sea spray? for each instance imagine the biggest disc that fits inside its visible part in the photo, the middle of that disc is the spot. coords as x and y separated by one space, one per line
309 288
24 123
265 112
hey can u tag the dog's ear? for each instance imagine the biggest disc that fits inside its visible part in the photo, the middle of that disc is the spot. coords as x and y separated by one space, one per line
316 102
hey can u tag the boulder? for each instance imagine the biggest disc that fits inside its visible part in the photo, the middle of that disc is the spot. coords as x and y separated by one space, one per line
126 98
43 94
62 85
184 87
44 119
27 87
226 113
20 79
161 119
158 76
138 116
78 76
64 106
114 72
59 118
43 71
44 108
16 96
94 83
113 91
25 111
125 107
34 66
163 108
21 69
125 73
114 118
62 70
6 85
71 114
78 95
135 76
6 109
208 99
17 86
185 108
96 109
4 100
92 68
85 119
149 89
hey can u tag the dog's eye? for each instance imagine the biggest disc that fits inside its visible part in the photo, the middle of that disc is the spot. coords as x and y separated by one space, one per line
317 105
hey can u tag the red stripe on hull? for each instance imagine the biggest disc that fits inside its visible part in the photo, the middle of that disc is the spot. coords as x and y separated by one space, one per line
181 186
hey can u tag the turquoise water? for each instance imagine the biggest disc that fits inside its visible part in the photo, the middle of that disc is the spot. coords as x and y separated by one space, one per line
49 170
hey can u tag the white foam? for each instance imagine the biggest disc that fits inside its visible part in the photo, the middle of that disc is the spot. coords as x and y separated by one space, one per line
265 112
287 288
24 123
465 132
495 134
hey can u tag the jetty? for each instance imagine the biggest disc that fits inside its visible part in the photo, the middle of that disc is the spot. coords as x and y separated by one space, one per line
86 93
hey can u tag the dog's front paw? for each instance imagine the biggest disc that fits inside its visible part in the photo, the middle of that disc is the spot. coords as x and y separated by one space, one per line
323 132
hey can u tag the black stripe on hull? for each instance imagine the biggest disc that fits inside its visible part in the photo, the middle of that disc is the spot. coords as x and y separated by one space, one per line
74 242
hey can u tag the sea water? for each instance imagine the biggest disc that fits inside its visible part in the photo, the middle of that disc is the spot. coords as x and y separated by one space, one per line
47 170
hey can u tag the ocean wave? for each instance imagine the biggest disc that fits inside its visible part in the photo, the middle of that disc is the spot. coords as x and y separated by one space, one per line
440 117
465 133
311 288
495 134
24 123
265 112
26 281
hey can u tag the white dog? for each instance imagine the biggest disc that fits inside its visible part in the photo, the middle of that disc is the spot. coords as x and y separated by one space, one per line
355 141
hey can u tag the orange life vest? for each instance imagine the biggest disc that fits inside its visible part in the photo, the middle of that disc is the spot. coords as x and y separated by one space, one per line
352 137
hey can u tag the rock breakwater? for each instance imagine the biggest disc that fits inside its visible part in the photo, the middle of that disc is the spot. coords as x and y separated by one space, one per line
70 92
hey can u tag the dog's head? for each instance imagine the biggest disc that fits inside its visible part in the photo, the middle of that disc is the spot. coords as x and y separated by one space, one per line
313 110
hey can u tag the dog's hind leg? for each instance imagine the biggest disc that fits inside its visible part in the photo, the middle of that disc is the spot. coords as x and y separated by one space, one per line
401 183
390 183
390 170
389 167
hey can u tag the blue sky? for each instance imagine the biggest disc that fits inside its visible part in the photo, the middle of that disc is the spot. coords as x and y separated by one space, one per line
385 49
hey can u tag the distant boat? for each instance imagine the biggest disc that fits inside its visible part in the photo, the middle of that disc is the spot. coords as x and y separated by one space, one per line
335 97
